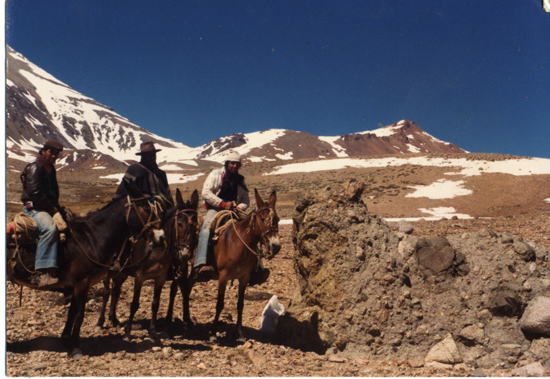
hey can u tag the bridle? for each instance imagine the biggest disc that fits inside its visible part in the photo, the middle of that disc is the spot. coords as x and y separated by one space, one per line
186 239
154 217
270 226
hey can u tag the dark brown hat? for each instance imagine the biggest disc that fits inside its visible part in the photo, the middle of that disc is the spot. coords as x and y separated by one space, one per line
52 145
147 147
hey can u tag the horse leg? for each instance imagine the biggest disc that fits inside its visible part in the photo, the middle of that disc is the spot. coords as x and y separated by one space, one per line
116 289
186 283
159 283
80 296
106 293
173 293
70 318
222 283
240 307
138 283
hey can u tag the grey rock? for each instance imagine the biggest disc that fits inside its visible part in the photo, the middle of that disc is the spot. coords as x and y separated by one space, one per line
539 349
436 254
534 369
472 334
536 318
525 251
477 373
506 303
405 227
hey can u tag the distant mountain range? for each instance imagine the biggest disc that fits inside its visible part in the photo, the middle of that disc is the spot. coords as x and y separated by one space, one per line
39 107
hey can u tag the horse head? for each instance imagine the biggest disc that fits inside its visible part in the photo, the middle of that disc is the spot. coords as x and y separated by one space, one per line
142 216
185 225
268 222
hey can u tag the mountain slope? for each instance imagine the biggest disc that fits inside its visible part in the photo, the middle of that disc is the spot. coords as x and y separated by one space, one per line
40 107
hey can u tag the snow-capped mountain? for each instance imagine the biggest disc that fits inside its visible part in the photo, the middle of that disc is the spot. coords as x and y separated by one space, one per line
39 107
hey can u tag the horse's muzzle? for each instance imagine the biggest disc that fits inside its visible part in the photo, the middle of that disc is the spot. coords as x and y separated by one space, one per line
158 237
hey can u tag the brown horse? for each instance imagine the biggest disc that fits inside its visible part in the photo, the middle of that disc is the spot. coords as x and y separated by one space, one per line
147 261
84 259
236 255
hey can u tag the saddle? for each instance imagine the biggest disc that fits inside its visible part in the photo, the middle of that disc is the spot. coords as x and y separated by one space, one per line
223 220
22 230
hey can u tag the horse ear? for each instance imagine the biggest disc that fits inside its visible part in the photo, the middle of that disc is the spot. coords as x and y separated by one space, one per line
132 189
260 203
179 199
194 199
272 199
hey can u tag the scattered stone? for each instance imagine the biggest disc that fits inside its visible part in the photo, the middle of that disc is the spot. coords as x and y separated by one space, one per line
337 359
405 227
445 352
167 352
472 335
478 373
525 251
435 254
536 318
534 369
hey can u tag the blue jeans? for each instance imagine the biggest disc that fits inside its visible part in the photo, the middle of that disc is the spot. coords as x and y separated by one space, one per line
204 236
46 250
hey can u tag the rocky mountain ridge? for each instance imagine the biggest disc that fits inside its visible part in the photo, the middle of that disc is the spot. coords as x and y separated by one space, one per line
40 107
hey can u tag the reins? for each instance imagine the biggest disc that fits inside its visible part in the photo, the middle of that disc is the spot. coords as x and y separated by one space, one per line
146 225
253 216
187 213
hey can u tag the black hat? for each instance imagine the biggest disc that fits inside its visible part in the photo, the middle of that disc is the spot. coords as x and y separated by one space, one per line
147 147
52 145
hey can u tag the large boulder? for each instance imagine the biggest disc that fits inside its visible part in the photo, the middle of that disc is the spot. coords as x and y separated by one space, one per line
366 289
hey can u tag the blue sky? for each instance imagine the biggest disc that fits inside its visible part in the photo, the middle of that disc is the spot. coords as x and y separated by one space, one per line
474 73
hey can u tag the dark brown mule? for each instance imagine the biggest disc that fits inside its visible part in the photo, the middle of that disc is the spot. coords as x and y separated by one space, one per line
235 253
147 261
84 259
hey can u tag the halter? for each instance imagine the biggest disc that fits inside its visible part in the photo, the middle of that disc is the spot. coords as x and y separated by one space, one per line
271 227
189 213
155 210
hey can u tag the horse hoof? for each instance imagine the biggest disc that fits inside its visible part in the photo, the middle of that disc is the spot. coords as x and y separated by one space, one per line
213 339
98 328
77 354
126 338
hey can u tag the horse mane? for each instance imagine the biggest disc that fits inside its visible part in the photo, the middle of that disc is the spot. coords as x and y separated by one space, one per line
90 215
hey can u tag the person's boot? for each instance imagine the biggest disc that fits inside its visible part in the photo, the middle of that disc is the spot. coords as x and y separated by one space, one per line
258 277
115 266
204 273
48 278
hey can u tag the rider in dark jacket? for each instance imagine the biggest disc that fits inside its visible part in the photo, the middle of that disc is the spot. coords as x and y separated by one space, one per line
146 174
150 179
40 197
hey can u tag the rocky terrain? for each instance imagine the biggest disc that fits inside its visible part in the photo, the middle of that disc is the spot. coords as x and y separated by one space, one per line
383 323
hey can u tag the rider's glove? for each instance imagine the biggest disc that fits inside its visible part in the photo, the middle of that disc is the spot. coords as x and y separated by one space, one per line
59 222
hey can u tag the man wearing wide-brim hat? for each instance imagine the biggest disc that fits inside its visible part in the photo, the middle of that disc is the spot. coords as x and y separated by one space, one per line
149 178
40 197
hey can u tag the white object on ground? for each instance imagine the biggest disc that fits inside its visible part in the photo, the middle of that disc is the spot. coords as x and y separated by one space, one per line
272 311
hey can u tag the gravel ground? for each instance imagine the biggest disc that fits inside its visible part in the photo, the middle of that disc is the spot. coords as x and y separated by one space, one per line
35 349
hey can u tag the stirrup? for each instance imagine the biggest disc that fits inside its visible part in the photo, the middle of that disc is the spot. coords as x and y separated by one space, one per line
204 273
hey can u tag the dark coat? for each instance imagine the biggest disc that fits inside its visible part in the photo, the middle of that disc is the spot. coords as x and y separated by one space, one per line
40 186
150 182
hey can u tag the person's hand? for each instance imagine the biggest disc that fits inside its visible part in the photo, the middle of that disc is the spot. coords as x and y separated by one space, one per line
59 222
228 205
